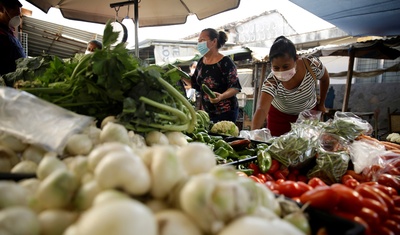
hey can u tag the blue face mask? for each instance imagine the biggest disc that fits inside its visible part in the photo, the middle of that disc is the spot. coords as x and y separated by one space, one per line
202 47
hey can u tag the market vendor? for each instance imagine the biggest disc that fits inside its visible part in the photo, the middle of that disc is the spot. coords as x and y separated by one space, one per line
290 88
10 47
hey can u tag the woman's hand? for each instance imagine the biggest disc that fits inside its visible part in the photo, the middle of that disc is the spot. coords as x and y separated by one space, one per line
321 107
217 99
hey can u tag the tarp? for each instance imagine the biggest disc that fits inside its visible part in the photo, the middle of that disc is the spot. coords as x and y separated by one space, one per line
357 17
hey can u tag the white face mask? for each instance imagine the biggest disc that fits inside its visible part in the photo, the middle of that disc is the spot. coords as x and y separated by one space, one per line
14 21
88 52
285 76
192 71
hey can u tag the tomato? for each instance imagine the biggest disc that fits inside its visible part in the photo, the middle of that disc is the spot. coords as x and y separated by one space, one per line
321 197
353 218
386 189
303 187
292 177
351 183
383 230
272 185
258 180
296 199
396 211
284 171
279 181
262 177
349 199
269 177
255 168
376 206
369 216
275 165
358 177
290 189
392 225
396 200
366 192
278 175
388 200
346 177
294 171
302 178
395 218
315 182
389 180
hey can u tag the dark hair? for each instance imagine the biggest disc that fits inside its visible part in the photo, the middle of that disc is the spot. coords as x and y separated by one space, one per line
11 3
98 44
220 36
281 47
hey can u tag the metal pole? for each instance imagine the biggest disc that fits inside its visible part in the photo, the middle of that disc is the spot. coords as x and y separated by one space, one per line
136 21
349 79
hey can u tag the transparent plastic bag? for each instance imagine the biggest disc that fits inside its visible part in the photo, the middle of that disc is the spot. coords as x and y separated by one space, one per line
348 126
311 115
263 135
36 121
365 153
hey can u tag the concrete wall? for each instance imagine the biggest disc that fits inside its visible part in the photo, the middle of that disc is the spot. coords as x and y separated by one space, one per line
370 97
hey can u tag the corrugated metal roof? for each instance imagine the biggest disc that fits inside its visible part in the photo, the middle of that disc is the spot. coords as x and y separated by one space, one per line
50 38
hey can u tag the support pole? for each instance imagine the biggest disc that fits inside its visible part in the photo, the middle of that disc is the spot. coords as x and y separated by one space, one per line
349 79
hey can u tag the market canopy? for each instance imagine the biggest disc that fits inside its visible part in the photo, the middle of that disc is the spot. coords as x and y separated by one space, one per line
145 13
357 17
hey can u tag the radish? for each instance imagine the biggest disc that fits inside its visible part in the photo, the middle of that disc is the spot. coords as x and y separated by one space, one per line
114 132
120 217
156 138
12 194
109 195
33 153
85 195
79 144
125 171
49 164
101 150
25 167
173 222
8 158
12 142
196 158
19 220
55 221
176 138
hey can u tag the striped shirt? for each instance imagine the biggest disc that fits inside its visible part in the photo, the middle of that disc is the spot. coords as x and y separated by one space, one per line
298 99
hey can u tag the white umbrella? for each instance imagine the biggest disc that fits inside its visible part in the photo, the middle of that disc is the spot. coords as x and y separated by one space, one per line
146 12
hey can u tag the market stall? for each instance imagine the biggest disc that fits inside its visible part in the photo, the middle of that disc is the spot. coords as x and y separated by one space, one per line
107 135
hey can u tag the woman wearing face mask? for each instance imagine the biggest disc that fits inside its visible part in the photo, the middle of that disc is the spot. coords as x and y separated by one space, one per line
10 47
93 45
219 73
289 89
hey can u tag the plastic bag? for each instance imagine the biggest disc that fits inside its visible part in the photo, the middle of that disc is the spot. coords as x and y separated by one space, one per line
330 166
312 115
365 153
263 135
36 121
348 126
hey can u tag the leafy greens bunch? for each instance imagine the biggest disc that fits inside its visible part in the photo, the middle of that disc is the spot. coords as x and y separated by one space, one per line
111 81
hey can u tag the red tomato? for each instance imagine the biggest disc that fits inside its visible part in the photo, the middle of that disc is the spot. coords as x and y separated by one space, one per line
351 183
290 189
388 200
275 165
294 171
354 218
396 200
369 216
395 217
292 177
392 170
302 178
315 182
376 206
303 187
321 197
262 177
383 230
366 192
358 177
258 180
345 178
272 185
349 199
279 181
255 168
392 225
269 177
389 180
278 175
284 171
386 189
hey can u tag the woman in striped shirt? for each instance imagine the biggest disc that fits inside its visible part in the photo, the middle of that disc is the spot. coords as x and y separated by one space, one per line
289 89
